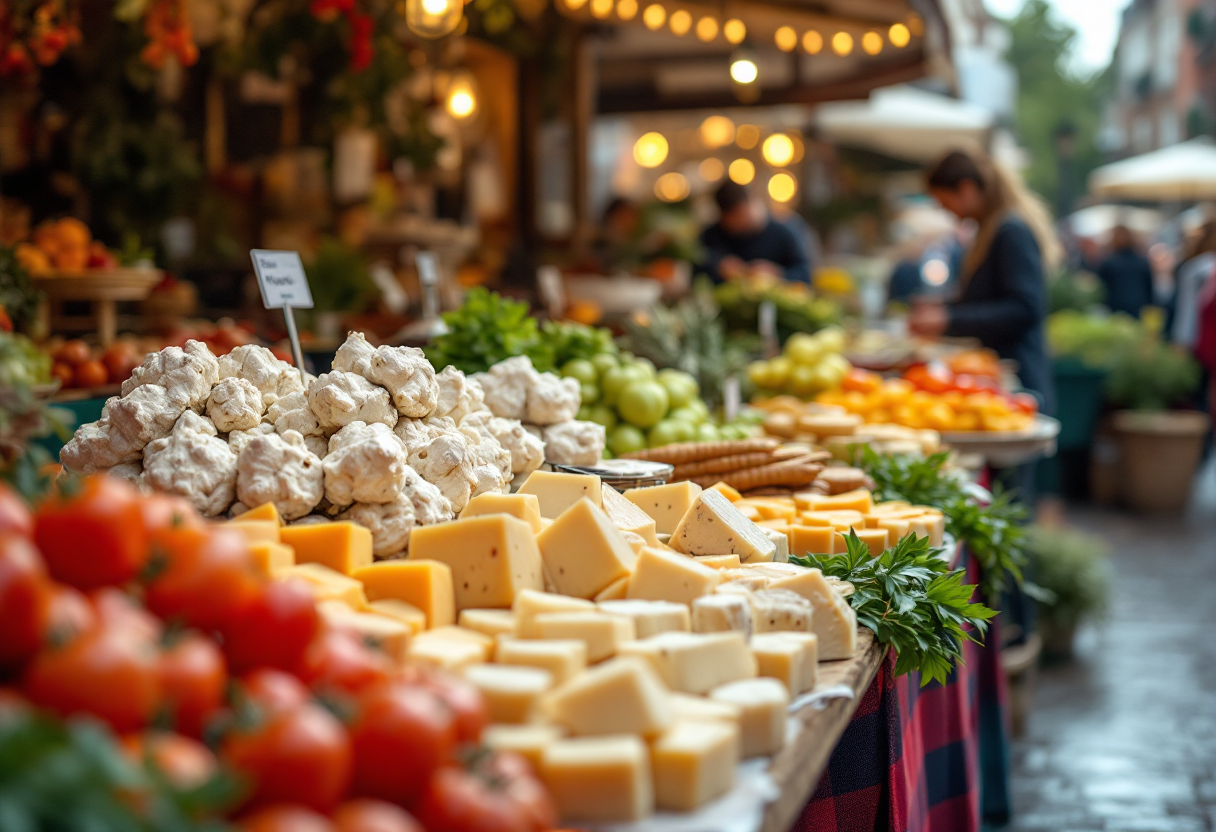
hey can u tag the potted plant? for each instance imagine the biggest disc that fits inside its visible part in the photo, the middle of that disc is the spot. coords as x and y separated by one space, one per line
1072 567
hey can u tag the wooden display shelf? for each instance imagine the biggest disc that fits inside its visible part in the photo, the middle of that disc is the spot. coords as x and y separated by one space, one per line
104 288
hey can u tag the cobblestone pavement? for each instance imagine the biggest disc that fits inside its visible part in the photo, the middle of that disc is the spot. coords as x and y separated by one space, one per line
1123 739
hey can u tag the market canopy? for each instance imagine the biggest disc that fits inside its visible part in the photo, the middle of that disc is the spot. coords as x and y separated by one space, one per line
1183 172
1099 220
906 123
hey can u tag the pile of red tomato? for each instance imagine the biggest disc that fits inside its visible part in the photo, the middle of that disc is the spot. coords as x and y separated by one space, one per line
133 611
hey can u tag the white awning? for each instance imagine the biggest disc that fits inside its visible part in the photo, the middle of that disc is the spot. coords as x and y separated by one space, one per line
1183 172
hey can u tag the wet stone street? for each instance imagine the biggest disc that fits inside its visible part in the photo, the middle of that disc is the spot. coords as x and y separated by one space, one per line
1123 738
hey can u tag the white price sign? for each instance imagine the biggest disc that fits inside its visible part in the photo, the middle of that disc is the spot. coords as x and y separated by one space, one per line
282 280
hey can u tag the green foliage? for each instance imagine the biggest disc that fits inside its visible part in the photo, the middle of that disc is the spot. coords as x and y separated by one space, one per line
486 329
25 418
1078 291
994 533
17 296
63 777
798 309
339 278
1147 374
567 340
1073 568
1051 98
22 364
1093 338
912 601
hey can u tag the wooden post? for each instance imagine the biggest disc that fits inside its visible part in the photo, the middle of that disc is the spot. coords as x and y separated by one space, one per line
583 81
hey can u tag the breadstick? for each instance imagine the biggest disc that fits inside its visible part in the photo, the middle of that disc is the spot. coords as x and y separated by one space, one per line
749 478
685 452
722 463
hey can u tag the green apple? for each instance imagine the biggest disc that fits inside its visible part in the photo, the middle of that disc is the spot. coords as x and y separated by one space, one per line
646 364
688 413
617 379
779 370
624 439
604 361
642 403
802 348
802 380
670 431
601 414
581 369
831 339
681 387
707 432
588 393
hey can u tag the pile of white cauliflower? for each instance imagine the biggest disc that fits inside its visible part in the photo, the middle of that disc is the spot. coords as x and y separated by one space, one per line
382 439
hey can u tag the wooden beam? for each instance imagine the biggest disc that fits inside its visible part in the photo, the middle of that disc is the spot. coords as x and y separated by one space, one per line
584 83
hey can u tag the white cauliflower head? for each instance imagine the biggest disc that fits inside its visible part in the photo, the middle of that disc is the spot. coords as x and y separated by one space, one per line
238 439
97 446
132 472
574 443
419 433
355 355
339 398
366 464
319 445
408 377
420 504
273 378
293 412
234 404
280 470
146 413
188 374
448 464
459 395
194 463
552 399
506 386
526 449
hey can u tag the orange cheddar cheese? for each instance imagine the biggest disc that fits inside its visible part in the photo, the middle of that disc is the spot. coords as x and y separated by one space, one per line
492 558
343 547
875 540
266 511
426 584
726 491
328 585
817 540
860 500
256 531
272 557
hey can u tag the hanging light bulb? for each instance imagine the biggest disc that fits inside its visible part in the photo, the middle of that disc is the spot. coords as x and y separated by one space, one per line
812 42
842 43
778 150
671 187
916 24
601 9
650 150
899 35
747 136
654 17
707 28
717 131
741 171
734 31
871 43
627 9
680 23
575 4
743 68
461 100
786 39
782 187
433 18
711 169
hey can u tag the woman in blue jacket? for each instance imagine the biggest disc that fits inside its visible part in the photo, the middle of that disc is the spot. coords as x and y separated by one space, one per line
1003 299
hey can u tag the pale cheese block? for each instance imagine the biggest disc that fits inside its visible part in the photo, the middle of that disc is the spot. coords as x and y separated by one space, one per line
636 542
651 617
492 558
763 704
328 585
896 528
584 552
529 604
773 570
687 706
738 580
719 561
782 541
603 634
628 517
726 491
834 621
492 623
713 526
511 693
694 762
524 507
483 641
615 591
624 695
696 662
791 658
665 504
556 491
860 500
563 658
384 633
780 610
599 779
661 575
407 614
528 741
722 613
446 652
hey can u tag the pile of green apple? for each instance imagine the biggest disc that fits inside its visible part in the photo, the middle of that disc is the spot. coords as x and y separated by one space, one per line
808 365
641 407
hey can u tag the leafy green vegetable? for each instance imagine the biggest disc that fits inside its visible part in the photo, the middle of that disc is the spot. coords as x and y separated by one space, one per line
912 601
17 296
567 340
798 309
994 533
486 329
1151 375
25 418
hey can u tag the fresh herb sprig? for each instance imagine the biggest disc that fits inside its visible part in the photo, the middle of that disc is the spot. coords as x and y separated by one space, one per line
912 601
486 329
994 533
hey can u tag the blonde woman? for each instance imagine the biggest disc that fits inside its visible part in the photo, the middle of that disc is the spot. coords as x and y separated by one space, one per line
1003 297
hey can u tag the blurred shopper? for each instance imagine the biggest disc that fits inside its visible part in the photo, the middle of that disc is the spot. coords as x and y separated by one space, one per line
747 241
1197 270
1126 274
1003 297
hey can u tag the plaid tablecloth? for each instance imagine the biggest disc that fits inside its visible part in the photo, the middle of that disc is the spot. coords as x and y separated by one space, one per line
913 759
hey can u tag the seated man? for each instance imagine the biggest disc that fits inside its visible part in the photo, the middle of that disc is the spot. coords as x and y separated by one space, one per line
746 240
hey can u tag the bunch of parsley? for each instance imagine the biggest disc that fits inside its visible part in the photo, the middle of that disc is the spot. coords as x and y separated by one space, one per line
912 601
994 533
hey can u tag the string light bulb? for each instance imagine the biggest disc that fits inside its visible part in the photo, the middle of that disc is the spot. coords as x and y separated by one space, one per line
916 25
433 18
461 100
627 9
575 4
778 150
741 171
671 187
680 23
782 187
786 39
711 169
650 150
812 42
601 9
842 43
743 68
717 131
734 31
707 28
654 17
871 43
747 136
899 35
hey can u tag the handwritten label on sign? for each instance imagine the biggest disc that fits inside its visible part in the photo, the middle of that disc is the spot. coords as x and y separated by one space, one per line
282 280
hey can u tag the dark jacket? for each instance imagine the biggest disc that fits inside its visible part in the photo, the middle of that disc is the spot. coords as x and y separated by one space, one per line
775 243
1128 279
1004 304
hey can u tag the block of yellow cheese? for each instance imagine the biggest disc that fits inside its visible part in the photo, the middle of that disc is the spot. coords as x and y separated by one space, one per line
266 511
718 561
665 504
687 706
584 552
713 526
628 517
272 557
772 509
492 558
556 491
621 696
860 500
427 584
818 540
446 652
726 491
603 634
750 512
529 604
564 658
398 610
511 693
896 528
663 575
464 634
343 547
790 658
599 779
521 506
763 704
528 741
695 662
257 531
615 591
834 622
693 762
381 632
876 540
492 623
328 585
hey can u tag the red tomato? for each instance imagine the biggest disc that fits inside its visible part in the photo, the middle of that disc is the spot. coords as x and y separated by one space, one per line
64 374
932 378
499 794
186 763
401 735
1026 403
274 630
91 534
15 517
116 609
70 614
338 661
465 702
192 679
162 511
25 600
861 381
202 576
106 673
91 374
274 690
373 816
286 819
299 756
120 359
73 353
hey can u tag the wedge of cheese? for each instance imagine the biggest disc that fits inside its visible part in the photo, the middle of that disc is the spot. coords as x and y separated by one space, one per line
693 762
266 511
719 561
781 610
665 504
834 622
615 591
621 696
650 617
713 526
763 704
343 547
662 575
556 492
426 584
398 610
492 558
529 604
599 779
790 658
272 557
686 706
781 540
520 506
511 693
528 741
696 662
492 623
603 634
564 658
816 540
584 551
328 585
628 517
722 613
